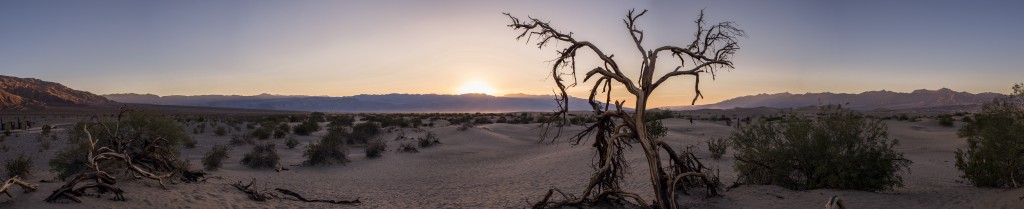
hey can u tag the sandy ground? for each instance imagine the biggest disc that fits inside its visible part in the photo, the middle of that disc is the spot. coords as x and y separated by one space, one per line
503 166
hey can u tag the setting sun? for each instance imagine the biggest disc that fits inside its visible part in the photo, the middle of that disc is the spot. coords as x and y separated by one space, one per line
476 87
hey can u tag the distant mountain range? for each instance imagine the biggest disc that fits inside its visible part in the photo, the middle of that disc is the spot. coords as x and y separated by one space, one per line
870 100
364 103
31 93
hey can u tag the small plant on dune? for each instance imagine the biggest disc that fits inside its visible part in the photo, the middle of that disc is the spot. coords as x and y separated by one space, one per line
995 143
215 157
329 149
262 156
220 131
19 166
291 142
407 147
375 148
839 149
190 142
717 147
306 128
261 133
242 139
429 140
946 120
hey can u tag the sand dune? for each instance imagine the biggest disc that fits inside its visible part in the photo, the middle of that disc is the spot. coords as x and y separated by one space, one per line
503 166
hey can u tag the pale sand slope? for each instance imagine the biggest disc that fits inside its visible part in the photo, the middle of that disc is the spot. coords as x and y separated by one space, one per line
501 165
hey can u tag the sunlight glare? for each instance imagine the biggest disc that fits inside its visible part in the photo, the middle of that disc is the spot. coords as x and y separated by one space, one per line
477 87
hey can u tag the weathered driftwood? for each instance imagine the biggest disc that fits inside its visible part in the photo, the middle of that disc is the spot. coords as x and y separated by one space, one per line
16 181
835 203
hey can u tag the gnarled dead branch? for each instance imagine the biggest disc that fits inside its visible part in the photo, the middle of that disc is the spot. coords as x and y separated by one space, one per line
15 180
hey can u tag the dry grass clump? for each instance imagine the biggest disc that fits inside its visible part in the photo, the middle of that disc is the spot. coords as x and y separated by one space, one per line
717 147
429 140
375 148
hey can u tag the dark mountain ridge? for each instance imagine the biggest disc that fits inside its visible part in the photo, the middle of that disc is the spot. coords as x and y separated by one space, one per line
31 93
869 100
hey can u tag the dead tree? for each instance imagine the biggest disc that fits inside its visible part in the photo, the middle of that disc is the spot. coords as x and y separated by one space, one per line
711 49
136 158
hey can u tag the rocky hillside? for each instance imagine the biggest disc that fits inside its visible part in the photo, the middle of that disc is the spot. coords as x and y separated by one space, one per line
31 93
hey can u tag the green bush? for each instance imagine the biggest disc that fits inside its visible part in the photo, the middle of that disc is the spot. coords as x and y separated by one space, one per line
717 147
71 160
329 149
19 166
215 157
261 133
242 139
291 142
655 129
995 144
839 149
262 156
375 148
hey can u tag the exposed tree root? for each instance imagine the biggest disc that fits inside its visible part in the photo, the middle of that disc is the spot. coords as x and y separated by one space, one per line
296 195
254 194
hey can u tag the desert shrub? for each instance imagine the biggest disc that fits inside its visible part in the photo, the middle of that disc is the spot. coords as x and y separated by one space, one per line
995 144
329 149
967 119
291 142
190 142
946 120
375 148
363 132
261 133
71 160
839 149
306 128
429 140
342 120
7 132
43 146
464 127
46 129
262 156
215 157
220 131
19 166
317 117
241 139
407 148
139 132
717 147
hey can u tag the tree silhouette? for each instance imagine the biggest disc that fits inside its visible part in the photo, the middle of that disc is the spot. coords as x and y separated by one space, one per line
711 49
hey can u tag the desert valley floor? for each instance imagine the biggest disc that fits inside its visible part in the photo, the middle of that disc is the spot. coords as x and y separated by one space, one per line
504 166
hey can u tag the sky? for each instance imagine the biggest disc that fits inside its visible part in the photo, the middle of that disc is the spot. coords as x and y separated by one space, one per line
342 48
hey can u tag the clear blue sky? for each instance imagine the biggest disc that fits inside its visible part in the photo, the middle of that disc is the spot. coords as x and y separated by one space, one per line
343 48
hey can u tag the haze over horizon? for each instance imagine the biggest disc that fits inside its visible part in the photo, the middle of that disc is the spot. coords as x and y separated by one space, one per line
347 48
